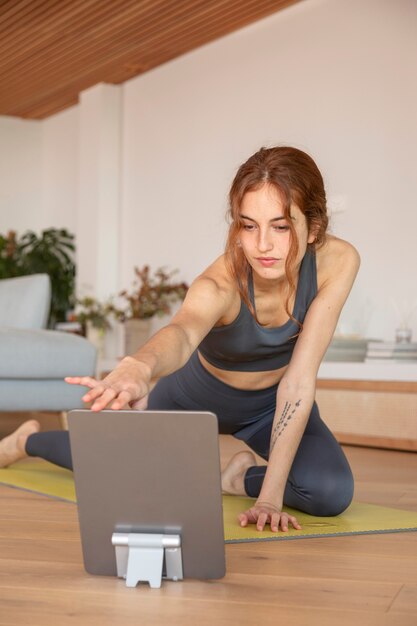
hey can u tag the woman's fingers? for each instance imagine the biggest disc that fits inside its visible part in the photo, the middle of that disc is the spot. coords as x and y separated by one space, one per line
243 519
140 405
96 387
85 381
94 393
275 518
261 521
250 516
102 395
106 397
260 516
285 519
126 385
294 522
122 401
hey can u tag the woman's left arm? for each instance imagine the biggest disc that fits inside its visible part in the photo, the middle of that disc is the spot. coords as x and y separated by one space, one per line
296 390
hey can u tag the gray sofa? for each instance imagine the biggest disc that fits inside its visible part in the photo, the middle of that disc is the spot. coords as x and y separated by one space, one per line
34 360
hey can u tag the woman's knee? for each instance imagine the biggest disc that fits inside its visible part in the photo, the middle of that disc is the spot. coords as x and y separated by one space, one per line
332 494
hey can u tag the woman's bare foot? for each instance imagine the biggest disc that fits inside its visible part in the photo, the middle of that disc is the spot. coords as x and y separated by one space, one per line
233 476
12 448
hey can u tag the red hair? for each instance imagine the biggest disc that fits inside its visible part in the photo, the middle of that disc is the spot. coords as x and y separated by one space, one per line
298 180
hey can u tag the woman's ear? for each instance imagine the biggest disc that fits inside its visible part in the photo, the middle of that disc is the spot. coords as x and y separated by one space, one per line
313 232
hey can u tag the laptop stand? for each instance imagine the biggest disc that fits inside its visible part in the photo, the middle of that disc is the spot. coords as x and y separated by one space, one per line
140 557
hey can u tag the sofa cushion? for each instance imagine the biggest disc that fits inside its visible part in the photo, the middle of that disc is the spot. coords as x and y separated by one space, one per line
25 301
39 354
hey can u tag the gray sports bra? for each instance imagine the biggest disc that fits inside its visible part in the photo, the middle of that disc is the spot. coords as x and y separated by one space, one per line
245 346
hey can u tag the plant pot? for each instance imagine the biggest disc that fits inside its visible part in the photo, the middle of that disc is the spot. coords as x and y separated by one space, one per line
137 332
96 337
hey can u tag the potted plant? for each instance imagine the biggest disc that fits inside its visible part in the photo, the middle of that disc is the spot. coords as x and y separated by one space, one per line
153 294
51 253
93 316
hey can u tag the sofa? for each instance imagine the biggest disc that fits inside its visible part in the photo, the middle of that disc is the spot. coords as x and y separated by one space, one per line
33 359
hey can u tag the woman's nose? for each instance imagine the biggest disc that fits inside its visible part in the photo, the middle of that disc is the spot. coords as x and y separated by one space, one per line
264 241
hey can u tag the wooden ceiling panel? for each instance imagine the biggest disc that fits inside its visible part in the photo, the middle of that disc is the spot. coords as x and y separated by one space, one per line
51 50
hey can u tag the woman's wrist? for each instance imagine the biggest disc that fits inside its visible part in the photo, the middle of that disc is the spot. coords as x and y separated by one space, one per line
269 505
272 498
144 370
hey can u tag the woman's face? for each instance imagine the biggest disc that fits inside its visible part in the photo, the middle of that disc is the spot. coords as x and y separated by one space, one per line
265 236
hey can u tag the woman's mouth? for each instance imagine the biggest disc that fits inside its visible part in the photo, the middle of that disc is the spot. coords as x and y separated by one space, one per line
267 261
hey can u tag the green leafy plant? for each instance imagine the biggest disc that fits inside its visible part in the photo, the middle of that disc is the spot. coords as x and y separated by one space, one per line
51 253
91 310
152 294
9 256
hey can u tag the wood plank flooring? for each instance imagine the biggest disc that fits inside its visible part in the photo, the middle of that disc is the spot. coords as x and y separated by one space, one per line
349 581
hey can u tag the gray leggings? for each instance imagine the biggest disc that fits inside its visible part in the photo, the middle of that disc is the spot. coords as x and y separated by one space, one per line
320 481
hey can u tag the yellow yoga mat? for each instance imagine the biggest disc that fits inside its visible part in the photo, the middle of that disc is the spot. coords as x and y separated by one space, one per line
47 479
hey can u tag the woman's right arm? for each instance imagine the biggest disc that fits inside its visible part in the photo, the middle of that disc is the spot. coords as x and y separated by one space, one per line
207 300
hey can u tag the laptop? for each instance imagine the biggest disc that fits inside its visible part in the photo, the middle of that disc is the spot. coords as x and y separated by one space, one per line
148 472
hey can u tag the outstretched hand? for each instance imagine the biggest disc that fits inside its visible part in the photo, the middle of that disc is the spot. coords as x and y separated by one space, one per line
125 386
263 513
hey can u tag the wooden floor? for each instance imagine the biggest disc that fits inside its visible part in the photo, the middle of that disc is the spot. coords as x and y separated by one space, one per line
356 580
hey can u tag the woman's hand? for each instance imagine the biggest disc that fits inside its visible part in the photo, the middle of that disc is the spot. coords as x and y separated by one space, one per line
127 385
263 512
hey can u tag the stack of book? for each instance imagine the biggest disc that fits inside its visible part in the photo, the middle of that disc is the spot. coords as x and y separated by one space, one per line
391 351
345 348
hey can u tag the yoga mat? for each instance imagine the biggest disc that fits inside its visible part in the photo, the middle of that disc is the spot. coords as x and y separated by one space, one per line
47 479
41 477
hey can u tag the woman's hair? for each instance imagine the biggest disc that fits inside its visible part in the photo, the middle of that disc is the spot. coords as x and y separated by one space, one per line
298 180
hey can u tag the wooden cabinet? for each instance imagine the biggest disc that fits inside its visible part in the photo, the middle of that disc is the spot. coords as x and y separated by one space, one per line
370 404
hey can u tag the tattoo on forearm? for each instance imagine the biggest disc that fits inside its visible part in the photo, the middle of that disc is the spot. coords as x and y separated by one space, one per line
283 421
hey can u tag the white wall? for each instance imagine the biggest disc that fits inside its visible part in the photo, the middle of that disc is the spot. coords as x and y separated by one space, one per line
20 174
98 201
38 172
336 78
333 77
60 139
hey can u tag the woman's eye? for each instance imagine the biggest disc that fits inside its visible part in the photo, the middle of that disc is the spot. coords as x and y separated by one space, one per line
282 229
248 227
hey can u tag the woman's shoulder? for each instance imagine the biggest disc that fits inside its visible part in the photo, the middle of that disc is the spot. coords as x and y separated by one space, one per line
336 248
219 277
219 272
336 257
216 284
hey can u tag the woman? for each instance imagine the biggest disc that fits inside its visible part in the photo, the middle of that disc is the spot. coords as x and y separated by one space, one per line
247 344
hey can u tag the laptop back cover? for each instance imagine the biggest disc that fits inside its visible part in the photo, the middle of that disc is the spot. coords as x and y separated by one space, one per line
147 471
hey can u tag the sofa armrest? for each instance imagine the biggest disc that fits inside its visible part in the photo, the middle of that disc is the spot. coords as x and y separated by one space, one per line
44 354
